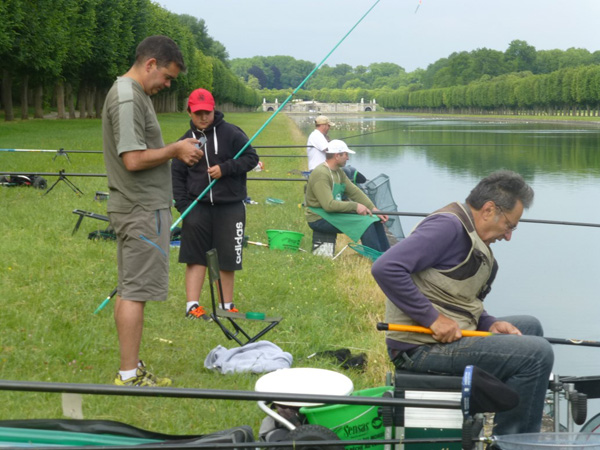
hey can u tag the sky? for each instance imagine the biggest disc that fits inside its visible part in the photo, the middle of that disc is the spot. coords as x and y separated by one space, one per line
392 31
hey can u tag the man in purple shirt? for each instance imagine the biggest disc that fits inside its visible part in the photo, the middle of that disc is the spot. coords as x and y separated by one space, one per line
438 277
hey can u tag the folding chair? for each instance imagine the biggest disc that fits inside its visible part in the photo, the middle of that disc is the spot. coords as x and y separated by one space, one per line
237 333
83 214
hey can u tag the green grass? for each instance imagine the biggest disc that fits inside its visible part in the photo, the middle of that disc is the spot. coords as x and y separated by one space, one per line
52 282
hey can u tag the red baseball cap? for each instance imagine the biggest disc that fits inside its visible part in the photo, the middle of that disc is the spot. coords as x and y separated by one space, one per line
201 100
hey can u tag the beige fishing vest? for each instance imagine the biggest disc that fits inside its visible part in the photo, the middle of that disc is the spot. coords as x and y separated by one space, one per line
457 292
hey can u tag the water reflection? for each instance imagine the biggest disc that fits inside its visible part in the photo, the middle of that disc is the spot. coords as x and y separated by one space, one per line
473 147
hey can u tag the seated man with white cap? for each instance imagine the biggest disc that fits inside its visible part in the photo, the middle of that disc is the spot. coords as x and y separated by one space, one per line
331 198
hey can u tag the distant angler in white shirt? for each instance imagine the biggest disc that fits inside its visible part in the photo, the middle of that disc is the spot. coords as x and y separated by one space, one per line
317 143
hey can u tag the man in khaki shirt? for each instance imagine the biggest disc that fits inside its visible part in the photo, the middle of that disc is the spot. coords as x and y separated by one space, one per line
139 180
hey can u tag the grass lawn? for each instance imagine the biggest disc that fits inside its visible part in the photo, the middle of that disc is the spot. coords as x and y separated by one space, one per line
52 281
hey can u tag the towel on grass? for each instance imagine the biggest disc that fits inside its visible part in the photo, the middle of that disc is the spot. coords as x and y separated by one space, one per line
255 357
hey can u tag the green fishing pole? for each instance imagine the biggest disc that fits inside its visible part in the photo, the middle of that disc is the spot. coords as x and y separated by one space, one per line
268 121
285 102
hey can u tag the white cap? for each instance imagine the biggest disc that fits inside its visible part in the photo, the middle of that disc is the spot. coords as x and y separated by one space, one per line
337 146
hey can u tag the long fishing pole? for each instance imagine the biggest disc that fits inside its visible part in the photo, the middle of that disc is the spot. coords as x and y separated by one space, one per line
381 326
62 151
105 301
219 394
33 150
54 174
282 156
277 179
285 102
404 145
63 174
268 121
541 221
387 213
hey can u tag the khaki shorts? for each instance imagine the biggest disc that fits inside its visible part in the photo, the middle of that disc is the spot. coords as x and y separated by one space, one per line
143 243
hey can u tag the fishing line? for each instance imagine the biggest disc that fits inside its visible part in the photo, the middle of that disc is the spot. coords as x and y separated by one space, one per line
375 132
211 184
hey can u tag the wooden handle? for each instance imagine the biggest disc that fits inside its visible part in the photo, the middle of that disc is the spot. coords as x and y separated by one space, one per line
416 329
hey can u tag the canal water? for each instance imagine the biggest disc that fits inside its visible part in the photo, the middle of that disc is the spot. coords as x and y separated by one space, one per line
550 271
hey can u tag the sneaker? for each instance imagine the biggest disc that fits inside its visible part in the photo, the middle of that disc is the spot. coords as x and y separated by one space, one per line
232 309
142 378
196 312
162 382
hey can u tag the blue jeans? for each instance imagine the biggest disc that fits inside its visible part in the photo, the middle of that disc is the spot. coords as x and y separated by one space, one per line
373 237
522 362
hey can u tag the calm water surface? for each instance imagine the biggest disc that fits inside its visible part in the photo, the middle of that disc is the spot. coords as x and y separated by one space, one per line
550 271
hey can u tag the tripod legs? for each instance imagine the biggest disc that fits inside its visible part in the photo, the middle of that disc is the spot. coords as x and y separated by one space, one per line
62 177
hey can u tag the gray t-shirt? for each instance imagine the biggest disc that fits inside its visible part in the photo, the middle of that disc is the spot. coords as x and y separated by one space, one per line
129 123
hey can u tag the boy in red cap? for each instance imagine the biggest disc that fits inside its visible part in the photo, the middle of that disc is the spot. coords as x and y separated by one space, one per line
219 218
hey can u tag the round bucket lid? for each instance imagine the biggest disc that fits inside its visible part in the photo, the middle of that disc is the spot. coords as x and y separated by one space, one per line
308 381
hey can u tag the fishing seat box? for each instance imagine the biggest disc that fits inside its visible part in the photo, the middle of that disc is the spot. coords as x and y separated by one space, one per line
409 422
323 243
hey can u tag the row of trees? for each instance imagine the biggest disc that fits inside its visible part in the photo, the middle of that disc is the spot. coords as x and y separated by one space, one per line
462 68
458 69
283 72
482 81
571 91
69 52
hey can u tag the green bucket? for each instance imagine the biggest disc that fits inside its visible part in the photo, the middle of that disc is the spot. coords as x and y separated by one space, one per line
284 240
351 422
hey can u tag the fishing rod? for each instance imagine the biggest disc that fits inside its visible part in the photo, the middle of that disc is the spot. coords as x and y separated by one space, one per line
219 394
65 152
386 213
105 301
403 145
277 179
381 326
541 221
63 174
282 156
60 151
268 121
54 174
